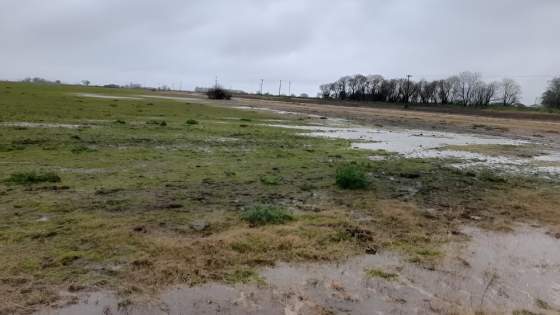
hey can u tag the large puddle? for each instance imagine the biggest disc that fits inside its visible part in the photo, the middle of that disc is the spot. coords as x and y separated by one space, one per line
429 144
492 272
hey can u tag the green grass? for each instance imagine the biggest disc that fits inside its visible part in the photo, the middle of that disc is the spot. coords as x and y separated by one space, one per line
373 272
25 178
351 178
266 214
192 122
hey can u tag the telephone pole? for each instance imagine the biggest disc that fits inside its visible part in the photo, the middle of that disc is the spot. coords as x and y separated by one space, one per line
289 88
216 81
261 85
280 88
407 89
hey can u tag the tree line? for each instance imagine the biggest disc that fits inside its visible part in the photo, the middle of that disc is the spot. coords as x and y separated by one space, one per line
466 88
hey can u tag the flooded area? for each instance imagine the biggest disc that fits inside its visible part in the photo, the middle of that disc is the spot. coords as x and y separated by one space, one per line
432 144
492 272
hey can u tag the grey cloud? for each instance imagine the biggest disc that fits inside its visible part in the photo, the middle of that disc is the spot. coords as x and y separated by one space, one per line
308 42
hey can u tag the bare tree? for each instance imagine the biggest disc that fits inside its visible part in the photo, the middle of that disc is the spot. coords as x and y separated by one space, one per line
374 84
325 90
467 82
86 82
510 92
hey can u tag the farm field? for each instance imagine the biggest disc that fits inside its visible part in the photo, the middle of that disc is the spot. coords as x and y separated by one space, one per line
123 201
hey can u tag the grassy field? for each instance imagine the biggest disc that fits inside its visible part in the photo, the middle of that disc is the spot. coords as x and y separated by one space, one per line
138 194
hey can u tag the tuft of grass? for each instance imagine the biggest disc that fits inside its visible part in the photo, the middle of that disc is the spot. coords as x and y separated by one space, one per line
267 213
244 276
243 125
192 122
120 122
351 178
340 236
373 272
246 119
33 177
269 180
82 149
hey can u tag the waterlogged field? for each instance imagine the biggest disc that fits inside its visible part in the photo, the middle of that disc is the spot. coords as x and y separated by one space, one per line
132 194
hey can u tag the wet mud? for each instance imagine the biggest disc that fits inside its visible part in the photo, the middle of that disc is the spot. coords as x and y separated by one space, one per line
486 271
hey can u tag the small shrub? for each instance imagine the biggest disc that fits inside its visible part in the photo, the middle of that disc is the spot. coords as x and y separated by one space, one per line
269 181
23 178
192 122
351 178
163 123
266 213
120 122
218 93
243 125
246 119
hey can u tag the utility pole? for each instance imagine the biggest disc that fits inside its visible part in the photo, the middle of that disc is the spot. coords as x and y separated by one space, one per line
261 85
280 88
289 88
173 86
216 81
407 89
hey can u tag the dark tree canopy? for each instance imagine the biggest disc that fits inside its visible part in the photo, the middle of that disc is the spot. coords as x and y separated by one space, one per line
551 97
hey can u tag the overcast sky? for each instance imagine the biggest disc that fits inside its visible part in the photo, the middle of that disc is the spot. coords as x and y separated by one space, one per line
307 42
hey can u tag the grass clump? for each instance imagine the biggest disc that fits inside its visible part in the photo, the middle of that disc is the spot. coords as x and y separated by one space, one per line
373 272
246 119
351 178
33 177
120 122
269 180
267 213
192 122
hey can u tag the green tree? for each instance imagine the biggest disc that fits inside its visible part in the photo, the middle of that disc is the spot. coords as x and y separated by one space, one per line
551 97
